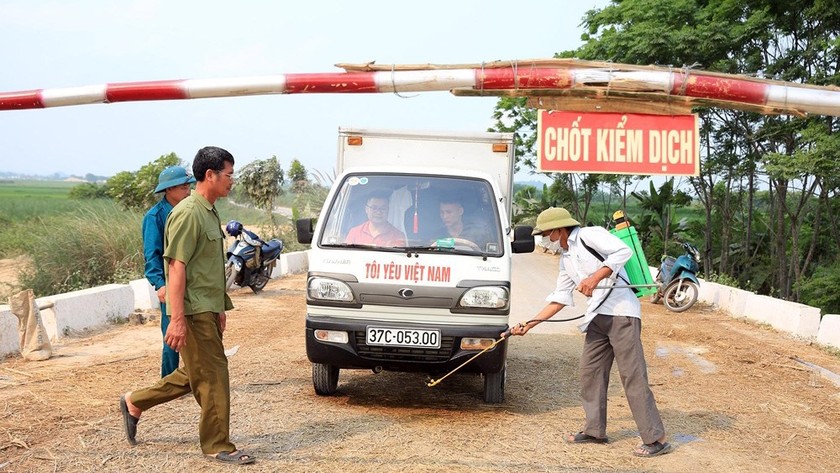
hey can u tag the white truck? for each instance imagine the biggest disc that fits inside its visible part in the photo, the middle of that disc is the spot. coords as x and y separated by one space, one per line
411 256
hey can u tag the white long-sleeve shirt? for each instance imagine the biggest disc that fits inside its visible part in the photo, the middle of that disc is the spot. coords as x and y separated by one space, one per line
577 264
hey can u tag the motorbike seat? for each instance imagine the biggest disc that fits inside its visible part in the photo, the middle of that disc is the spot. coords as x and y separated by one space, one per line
272 248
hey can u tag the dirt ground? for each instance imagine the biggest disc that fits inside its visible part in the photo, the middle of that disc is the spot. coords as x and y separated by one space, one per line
732 395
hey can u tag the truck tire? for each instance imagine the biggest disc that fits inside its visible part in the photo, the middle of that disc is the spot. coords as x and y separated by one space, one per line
494 387
324 379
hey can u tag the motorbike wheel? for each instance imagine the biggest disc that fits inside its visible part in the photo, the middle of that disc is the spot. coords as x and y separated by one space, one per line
230 276
494 387
680 295
325 378
262 279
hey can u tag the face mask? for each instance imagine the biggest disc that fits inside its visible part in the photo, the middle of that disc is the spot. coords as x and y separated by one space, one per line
550 245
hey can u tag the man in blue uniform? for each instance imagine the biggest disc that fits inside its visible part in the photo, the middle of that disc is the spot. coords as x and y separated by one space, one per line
174 183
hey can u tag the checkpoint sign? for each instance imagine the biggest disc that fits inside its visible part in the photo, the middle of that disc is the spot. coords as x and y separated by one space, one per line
618 143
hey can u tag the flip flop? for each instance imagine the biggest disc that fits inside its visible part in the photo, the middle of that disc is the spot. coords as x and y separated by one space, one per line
581 437
236 457
129 422
652 449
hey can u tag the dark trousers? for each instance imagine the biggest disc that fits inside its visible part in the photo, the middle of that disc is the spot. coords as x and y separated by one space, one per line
169 358
617 337
205 375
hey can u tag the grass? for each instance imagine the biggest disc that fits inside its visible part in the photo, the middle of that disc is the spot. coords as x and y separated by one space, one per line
23 203
97 243
75 244
21 200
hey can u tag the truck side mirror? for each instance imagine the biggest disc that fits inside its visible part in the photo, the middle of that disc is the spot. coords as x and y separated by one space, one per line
305 229
523 241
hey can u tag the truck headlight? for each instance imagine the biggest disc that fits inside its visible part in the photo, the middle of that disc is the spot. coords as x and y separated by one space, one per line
329 290
493 297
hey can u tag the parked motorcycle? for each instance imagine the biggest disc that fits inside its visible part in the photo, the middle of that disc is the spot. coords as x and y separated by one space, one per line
677 279
250 260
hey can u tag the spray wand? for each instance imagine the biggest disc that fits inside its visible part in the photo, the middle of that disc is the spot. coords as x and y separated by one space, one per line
434 382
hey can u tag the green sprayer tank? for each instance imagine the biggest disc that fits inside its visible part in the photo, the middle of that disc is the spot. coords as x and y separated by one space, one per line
636 267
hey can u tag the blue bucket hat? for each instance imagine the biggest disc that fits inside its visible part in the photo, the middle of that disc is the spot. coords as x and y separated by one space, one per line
171 177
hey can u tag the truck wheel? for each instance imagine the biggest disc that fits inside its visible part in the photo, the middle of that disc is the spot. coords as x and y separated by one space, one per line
494 387
324 379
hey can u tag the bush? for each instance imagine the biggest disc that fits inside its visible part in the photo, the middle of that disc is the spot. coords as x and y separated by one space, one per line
820 290
88 190
95 245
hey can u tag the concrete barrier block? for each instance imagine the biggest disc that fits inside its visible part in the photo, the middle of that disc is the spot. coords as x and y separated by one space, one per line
50 324
88 308
797 319
290 263
734 301
829 333
710 293
808 325
763 309
145 296
9 337
296 262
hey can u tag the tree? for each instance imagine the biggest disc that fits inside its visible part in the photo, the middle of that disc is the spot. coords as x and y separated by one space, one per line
661 206
135 190
298 175
262 181
795 41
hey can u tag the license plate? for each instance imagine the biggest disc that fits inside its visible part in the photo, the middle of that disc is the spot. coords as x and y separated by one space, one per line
403 337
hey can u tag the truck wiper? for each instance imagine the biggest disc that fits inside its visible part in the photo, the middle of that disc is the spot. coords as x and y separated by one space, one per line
442 249
391 249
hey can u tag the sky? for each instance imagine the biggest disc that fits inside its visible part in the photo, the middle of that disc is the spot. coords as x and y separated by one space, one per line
51 44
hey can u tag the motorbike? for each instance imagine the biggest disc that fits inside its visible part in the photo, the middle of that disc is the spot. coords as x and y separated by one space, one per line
678 286
250 260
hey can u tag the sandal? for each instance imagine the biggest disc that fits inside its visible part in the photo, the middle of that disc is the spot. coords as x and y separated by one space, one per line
236 457
652 449
129 422
581 437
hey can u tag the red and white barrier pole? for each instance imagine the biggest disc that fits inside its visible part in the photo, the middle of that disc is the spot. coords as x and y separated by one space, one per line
718 88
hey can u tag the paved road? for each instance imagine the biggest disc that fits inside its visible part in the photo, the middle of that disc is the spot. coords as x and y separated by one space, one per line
533 278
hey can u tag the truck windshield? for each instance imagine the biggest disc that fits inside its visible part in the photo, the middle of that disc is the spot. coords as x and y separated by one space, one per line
421 213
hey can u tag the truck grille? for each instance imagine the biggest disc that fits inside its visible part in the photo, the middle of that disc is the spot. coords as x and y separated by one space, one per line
404 353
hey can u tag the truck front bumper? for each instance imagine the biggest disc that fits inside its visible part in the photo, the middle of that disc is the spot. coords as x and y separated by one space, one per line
357 354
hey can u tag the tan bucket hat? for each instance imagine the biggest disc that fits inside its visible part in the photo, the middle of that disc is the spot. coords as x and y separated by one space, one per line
553 217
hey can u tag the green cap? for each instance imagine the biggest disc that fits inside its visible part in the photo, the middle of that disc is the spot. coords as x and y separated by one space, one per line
553 217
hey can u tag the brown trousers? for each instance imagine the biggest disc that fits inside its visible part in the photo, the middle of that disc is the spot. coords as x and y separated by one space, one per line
617 337
205 375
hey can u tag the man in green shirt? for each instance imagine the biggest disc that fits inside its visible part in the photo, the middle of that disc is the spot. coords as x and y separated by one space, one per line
196 299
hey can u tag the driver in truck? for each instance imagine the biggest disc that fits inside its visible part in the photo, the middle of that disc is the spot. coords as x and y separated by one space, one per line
451 214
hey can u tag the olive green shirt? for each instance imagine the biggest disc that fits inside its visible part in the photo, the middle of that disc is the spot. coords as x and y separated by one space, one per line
193 236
